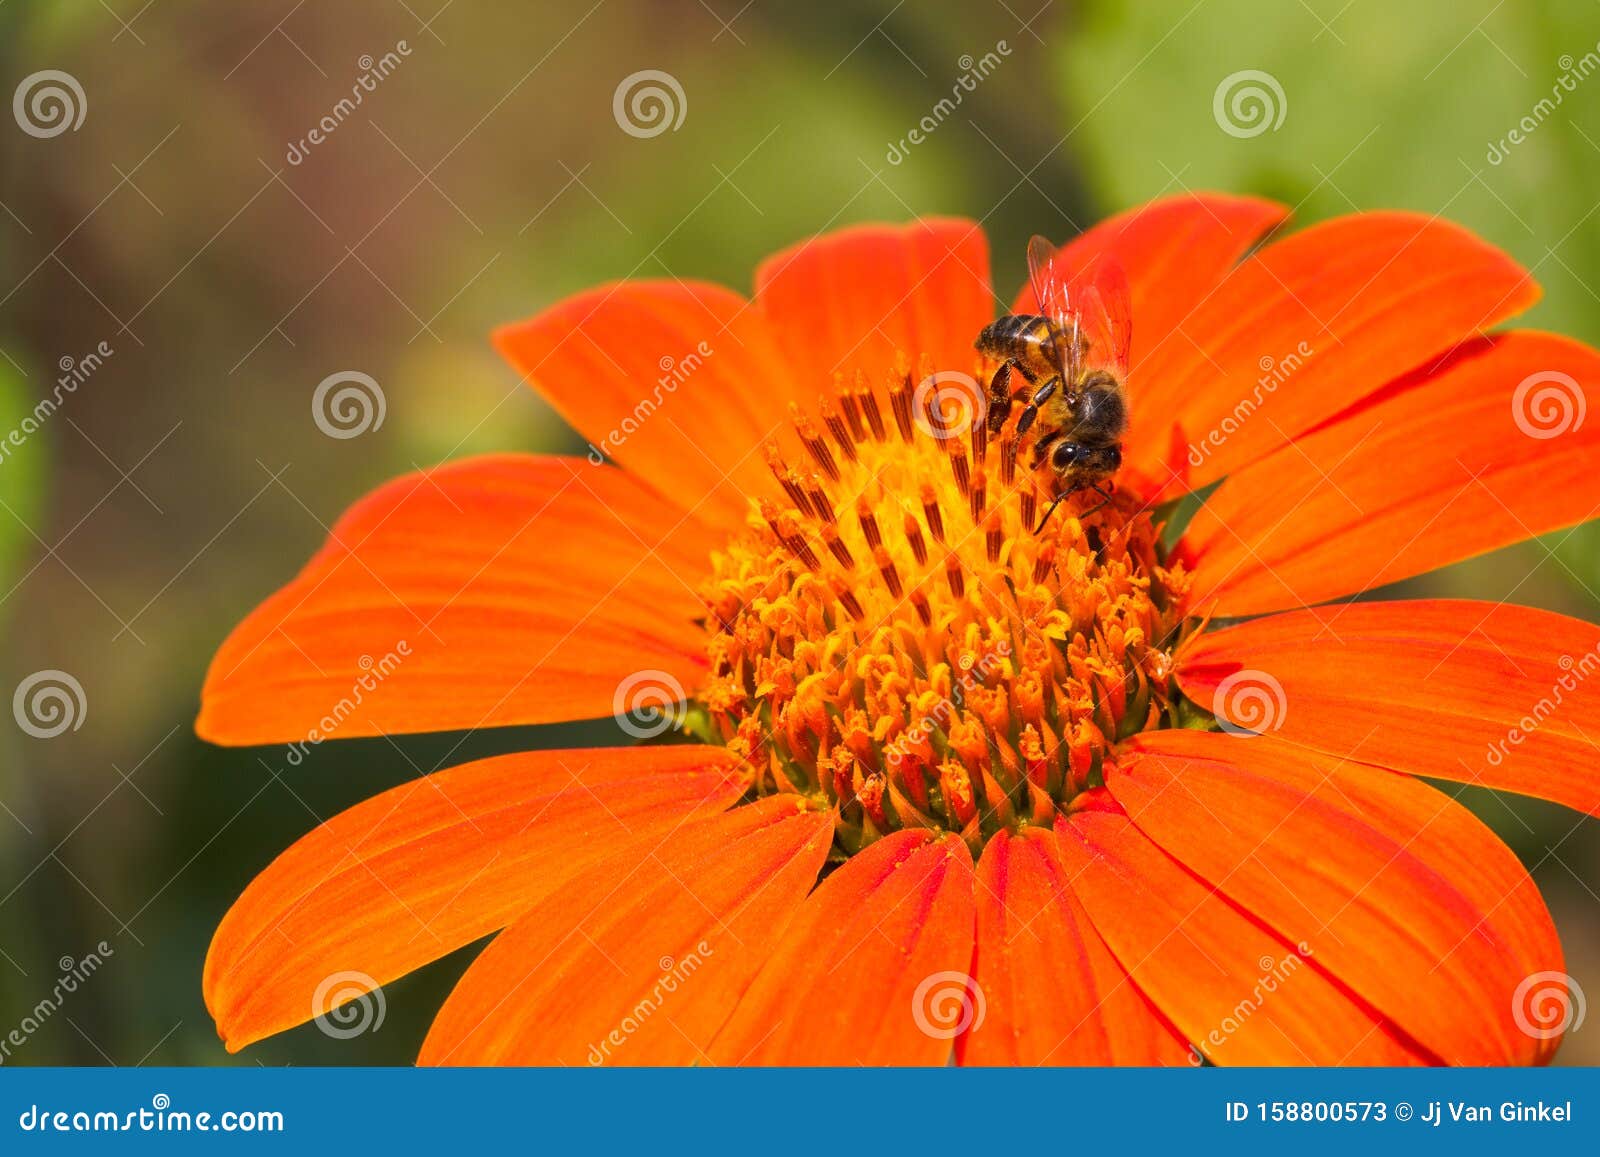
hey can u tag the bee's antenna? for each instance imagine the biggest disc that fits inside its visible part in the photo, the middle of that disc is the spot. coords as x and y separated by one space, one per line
1105 501
1066 494
1060 498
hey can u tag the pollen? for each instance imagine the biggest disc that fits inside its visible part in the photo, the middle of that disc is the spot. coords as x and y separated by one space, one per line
895 641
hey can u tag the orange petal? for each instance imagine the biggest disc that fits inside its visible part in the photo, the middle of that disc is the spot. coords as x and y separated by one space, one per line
1242 994
640 960
1175 252
840 987
1496 695
679 382
857 298
420 870
1307 327
1054 993
1438 469
497 590
1273 828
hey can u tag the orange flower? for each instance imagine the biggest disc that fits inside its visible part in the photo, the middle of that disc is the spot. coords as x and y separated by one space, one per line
958 786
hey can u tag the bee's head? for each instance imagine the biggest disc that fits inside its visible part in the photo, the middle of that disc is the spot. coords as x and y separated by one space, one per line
1080 465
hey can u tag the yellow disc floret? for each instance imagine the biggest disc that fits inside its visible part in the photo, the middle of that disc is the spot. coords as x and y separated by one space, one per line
895 641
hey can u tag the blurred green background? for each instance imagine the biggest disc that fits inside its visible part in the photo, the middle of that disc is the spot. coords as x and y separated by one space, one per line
486 177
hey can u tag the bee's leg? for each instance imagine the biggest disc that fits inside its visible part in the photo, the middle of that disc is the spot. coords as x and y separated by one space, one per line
1032 411
1000 397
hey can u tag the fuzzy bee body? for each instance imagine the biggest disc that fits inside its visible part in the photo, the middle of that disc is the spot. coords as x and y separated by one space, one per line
1073 357
1026 341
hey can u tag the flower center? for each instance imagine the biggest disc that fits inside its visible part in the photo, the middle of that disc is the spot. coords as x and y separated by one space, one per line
897 642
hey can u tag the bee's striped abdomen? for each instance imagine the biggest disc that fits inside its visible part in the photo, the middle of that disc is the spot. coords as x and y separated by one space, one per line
1026 338
1014 331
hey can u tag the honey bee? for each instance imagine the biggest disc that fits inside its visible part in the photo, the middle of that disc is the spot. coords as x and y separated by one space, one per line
1073 355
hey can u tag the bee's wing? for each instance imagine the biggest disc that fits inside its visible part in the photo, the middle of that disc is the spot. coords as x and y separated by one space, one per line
1105 317
1053 296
